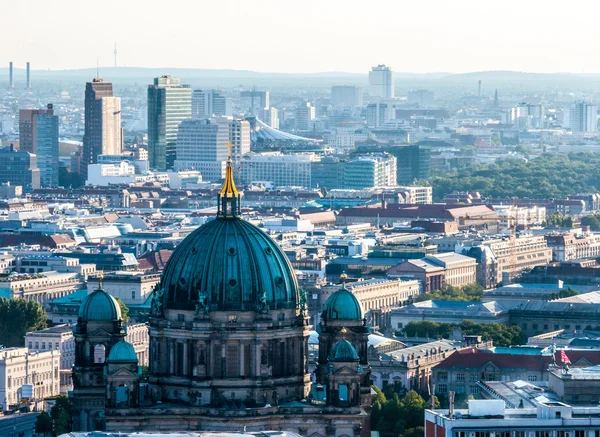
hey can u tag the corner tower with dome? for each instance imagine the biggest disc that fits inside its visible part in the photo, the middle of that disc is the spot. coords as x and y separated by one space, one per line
229 341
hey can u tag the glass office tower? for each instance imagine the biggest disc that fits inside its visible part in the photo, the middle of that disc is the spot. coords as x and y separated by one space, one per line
169 103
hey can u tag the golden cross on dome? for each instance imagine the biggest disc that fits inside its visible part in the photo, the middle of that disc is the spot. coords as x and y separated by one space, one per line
344 331
229 146
100 278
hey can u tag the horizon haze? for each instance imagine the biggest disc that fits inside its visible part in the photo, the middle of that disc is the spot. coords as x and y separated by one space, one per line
276 37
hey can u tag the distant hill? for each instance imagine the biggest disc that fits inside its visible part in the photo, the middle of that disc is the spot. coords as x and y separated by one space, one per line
225 77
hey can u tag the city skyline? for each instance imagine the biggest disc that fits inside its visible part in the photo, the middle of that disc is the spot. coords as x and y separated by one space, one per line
431 36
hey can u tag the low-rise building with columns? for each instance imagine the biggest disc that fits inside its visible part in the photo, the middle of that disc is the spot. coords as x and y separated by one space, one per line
18 366
40 287
377 296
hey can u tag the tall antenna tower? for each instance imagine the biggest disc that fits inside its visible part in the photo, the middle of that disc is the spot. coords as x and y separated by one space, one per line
115 53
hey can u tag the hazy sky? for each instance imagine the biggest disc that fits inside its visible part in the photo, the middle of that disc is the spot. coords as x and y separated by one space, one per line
304 35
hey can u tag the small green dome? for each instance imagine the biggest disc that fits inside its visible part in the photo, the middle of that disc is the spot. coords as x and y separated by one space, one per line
342 305
99 306
122 352
343 351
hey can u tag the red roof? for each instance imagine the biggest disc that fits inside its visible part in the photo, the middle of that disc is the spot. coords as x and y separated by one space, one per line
475 358
51 241
155 261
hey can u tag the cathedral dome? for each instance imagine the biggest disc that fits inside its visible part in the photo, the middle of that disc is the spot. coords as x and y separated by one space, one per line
228 264
122 352
342 305
99 306
343 351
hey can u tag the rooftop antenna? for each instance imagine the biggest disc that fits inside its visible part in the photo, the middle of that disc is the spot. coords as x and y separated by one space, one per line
115 53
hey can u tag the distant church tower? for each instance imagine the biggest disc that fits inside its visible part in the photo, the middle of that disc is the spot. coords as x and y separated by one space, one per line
496 101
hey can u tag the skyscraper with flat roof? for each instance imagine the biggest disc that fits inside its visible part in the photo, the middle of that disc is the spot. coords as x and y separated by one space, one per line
381 82
169 103
38 134
103 134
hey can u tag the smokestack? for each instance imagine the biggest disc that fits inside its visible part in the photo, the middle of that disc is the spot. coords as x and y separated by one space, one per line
28 76
11 83
479 90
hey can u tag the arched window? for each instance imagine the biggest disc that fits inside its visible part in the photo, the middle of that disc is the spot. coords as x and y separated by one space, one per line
99 354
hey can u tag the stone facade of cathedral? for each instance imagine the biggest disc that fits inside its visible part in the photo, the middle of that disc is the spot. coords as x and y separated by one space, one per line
228 345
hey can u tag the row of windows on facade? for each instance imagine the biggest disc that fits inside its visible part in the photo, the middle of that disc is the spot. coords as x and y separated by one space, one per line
473 377
56 345
560 433
39 377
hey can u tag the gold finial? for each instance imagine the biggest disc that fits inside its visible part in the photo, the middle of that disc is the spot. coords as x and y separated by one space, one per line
229 190
344 331
100 278
343 278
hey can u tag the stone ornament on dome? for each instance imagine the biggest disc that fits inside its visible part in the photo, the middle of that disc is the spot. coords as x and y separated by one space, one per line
157 299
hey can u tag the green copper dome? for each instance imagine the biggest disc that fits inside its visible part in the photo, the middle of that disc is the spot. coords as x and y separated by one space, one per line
122 352
342 305
99 306
343 351
228 264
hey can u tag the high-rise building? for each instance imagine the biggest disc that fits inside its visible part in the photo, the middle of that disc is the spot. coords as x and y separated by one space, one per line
413 163
103 134
525 116
254 101
381 82
377 114
345 95
201 145
38 134
239 136
169 103
305 114
370 172
581 117
19 168
270 116
208 103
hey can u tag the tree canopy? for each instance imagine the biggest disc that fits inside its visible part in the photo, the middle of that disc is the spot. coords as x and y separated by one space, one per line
468 293
397 412
593 221
61 415
43 424
17 317
545 177
501 335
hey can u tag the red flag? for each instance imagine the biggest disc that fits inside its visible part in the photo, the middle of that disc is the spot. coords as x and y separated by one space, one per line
564 358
